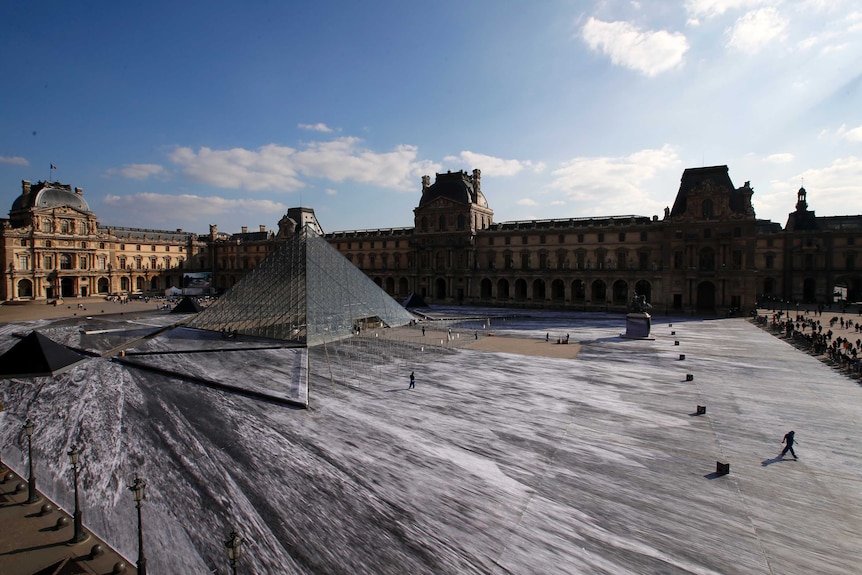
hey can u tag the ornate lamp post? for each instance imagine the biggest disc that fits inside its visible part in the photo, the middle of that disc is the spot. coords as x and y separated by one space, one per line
32 495
80 535
137 489
234 549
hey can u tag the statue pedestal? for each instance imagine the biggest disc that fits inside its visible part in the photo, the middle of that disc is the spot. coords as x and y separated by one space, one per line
638 326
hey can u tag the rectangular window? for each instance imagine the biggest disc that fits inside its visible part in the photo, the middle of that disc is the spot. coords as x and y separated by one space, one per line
508 240
737 232
677 260
707 233
542 239
23 262
138 247
601 237
737 259
643 236
851 261
622 236
643 260
580 238
769 242
524 240
770 262
490 240
561 239
851 241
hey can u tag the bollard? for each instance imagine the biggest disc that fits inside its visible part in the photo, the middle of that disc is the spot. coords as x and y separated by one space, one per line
689 377
681 356
673 333
701 409
722 468
676 342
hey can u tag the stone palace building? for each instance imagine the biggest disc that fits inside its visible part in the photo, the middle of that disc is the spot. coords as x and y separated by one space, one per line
709 253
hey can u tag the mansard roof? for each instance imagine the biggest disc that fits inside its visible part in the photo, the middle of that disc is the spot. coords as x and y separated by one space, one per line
455 186
716 176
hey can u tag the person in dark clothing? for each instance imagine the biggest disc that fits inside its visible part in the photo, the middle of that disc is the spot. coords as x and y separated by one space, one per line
789 439
412 380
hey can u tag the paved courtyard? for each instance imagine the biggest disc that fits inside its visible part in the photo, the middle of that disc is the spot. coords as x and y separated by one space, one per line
498 462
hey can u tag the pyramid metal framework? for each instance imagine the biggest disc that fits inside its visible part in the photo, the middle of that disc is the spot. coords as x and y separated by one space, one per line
304 292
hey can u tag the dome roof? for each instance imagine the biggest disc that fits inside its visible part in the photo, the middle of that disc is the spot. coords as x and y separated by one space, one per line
50 195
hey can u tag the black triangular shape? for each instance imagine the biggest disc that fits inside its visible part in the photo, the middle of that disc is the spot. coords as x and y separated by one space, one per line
35 356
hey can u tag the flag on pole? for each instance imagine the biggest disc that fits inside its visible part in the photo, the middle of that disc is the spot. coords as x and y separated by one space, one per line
53 167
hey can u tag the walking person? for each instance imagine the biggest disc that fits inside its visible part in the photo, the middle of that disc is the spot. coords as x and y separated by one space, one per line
789 439
412 380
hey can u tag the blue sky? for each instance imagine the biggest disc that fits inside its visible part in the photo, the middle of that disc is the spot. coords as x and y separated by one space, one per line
184 114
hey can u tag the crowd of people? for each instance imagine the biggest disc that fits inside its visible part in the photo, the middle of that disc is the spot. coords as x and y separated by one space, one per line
807 330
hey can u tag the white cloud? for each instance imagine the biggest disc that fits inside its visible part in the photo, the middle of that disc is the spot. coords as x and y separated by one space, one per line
854 135
527 202
280 168
614 183
494 167
781 158
757 29
713 8
164 207
330 192
558 203
648 52
319 127
14 160
828 188
138 171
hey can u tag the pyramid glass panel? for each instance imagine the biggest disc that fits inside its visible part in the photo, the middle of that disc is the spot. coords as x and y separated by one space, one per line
305 292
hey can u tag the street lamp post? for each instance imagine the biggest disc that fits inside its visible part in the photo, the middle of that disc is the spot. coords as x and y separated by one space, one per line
32 495
79 535
137 489
234 549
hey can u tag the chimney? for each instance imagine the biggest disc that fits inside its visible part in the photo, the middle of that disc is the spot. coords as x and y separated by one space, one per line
79 191
25 187
179 230
245 229
262 228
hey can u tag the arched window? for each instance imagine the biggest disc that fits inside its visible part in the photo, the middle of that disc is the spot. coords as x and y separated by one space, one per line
707 209
47 225
424 224
65 261
25 288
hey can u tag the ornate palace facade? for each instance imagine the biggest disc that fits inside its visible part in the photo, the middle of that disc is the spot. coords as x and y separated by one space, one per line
53 248
708 253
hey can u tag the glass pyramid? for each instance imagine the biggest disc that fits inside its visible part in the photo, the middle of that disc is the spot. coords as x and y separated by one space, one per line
305 292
